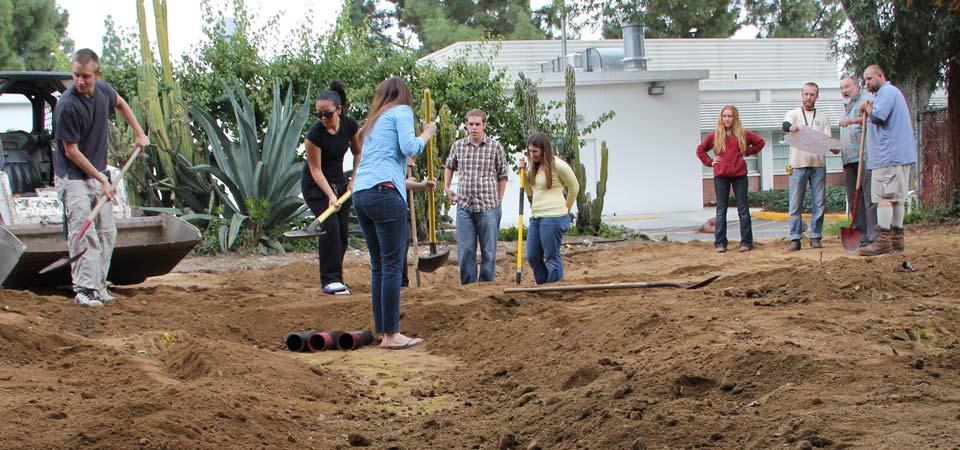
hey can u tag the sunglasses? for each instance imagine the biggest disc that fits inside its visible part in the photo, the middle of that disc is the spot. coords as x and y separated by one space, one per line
324 114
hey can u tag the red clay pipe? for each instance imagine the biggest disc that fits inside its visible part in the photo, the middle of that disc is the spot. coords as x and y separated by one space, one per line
297 342
353 340
324 340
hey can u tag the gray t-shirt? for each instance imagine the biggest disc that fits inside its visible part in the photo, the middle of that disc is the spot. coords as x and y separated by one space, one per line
84 120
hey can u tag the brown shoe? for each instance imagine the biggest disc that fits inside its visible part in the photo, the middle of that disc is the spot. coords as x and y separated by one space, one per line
881 246
897 239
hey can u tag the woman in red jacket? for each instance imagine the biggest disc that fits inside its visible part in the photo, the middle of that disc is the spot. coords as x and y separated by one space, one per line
730 144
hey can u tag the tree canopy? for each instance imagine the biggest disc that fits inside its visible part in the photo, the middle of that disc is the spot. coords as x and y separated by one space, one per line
33 35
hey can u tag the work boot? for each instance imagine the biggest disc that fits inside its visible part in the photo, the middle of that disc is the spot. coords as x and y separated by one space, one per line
794 245
881 246
896 240
815 243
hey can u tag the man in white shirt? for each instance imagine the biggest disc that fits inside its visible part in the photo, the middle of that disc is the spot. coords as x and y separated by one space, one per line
808 168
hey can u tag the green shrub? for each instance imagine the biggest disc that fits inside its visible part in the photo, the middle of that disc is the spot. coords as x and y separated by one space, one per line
779 200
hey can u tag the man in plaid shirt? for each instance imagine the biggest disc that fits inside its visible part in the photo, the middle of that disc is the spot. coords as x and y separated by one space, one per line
480 187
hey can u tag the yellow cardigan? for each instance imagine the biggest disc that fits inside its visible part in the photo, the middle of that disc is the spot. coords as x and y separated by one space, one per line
550 202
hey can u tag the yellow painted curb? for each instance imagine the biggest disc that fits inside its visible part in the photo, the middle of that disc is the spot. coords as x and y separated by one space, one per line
783 217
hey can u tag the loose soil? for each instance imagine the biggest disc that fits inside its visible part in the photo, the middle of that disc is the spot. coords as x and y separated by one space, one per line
816 349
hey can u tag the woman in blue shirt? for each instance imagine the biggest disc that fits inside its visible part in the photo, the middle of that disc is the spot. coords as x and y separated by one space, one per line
379 198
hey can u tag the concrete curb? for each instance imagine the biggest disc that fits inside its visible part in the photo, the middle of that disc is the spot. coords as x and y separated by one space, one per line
783 217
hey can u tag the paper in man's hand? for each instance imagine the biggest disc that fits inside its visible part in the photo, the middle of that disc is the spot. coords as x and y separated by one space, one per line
811 141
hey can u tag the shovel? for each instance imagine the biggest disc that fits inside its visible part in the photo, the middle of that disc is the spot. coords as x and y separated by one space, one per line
312 229
101 200
435 260
520 231
413 224
850 235
634 285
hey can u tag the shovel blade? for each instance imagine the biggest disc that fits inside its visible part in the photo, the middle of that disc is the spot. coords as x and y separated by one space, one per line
62 262
851 239
703 283
432 262
298 234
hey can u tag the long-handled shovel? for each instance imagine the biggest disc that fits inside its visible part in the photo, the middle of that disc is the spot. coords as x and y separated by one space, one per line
101 200
413 225
313 230
520 230
850 235
435 260
633 285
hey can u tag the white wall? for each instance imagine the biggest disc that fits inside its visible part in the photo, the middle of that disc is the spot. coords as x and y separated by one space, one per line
652 142
15 113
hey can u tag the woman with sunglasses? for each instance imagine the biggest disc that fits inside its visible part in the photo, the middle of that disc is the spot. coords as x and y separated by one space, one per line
381 201
323 180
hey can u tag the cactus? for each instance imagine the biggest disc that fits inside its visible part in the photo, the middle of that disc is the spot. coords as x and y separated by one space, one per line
589 210
165 112
527 103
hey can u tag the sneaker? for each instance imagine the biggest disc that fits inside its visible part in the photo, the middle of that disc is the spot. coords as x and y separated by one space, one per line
105 296
720 249
335 288
87 298
815 243
745 247
794 245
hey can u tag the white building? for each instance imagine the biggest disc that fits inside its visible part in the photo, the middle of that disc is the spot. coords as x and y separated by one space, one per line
653 138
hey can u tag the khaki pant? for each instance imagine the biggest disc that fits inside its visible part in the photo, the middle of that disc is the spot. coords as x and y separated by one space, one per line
79 197
890 183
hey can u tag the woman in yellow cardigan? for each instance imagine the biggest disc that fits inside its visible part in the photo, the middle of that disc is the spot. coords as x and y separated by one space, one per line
550 211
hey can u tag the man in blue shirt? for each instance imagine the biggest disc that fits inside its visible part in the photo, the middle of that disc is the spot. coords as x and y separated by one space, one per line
850 133
891 154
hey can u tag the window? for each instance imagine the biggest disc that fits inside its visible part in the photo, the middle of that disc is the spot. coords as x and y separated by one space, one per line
753 162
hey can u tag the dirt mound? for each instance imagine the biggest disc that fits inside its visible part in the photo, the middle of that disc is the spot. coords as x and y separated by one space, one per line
797 350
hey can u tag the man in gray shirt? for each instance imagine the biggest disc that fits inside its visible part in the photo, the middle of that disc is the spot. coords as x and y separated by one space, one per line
81 121
850 133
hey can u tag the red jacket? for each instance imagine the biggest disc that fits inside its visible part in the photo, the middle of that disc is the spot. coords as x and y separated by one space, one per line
729 163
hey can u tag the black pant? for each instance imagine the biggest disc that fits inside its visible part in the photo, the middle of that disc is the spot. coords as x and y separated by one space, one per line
867 211
332 245
722 187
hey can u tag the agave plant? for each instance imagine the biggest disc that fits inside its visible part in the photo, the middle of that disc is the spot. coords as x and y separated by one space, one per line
257 180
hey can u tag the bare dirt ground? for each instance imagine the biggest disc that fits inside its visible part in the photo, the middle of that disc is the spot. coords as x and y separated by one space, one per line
804 350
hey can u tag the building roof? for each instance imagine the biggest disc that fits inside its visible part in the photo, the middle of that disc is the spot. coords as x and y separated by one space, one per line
726 59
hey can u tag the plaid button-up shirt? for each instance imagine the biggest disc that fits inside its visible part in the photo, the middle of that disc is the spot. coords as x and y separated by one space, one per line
481 167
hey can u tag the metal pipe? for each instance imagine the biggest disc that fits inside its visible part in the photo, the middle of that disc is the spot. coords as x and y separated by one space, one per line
324 340
352 340
297 342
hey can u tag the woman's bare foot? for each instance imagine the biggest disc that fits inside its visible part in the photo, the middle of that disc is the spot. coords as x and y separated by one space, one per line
396 341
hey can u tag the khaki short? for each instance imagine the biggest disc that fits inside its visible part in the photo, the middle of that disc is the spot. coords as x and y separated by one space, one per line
890 183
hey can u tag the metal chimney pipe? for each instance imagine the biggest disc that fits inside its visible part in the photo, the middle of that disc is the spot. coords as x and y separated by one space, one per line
634 55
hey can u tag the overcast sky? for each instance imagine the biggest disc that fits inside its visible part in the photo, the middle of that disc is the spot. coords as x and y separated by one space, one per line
185 19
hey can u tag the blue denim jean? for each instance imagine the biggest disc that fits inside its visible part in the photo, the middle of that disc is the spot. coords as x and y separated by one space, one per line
543 247
383 219
722 187
817 178
471 226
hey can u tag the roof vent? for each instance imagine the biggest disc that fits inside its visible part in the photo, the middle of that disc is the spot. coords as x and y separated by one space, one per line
635 57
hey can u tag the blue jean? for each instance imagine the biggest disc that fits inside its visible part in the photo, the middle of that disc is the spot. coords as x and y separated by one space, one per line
543 247
722 187
473 225
383 219
817 177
